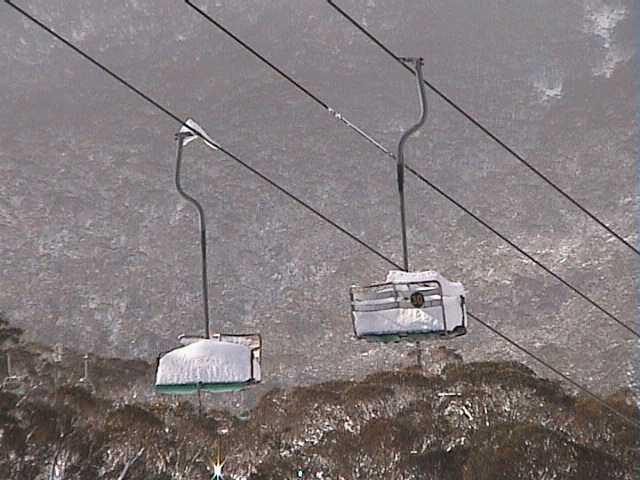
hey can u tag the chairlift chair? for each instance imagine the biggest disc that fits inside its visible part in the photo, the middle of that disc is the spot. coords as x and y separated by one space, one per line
222 363
208 363
409 305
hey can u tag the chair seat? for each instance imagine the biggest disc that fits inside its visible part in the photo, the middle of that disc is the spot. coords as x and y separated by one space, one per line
207 364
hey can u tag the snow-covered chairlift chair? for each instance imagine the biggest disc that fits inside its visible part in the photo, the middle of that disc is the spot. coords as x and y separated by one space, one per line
210 363
222 363
409 305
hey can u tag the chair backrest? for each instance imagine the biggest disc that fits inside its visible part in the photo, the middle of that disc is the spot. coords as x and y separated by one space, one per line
408 303
386 296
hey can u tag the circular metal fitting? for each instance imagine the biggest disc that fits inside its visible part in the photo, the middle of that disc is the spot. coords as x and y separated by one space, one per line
417 299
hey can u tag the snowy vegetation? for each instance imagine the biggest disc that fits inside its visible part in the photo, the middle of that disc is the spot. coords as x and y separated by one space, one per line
407 424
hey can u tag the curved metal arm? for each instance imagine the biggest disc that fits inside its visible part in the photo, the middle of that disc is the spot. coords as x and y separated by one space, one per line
405 136
181 137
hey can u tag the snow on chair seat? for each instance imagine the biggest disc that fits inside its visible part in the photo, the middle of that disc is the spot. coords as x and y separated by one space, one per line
220 364
408 306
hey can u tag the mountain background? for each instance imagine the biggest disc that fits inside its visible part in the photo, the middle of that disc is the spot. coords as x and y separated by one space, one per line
99 252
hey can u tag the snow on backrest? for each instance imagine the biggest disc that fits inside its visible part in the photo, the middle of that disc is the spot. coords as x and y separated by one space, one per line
449 289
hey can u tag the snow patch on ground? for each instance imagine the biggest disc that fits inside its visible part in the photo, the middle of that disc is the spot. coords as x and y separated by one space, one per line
548 86
602 21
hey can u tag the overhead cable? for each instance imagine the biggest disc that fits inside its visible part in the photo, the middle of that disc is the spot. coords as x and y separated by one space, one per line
541 361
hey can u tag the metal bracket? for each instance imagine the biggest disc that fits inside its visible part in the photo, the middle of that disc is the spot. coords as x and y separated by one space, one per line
183 135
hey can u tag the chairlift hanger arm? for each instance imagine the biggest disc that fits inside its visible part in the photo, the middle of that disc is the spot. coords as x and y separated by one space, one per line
181 137
419 62
400 157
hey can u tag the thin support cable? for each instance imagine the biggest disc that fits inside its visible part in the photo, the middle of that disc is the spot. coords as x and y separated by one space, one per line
254 52
387 259
487 132
565 377
339 116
